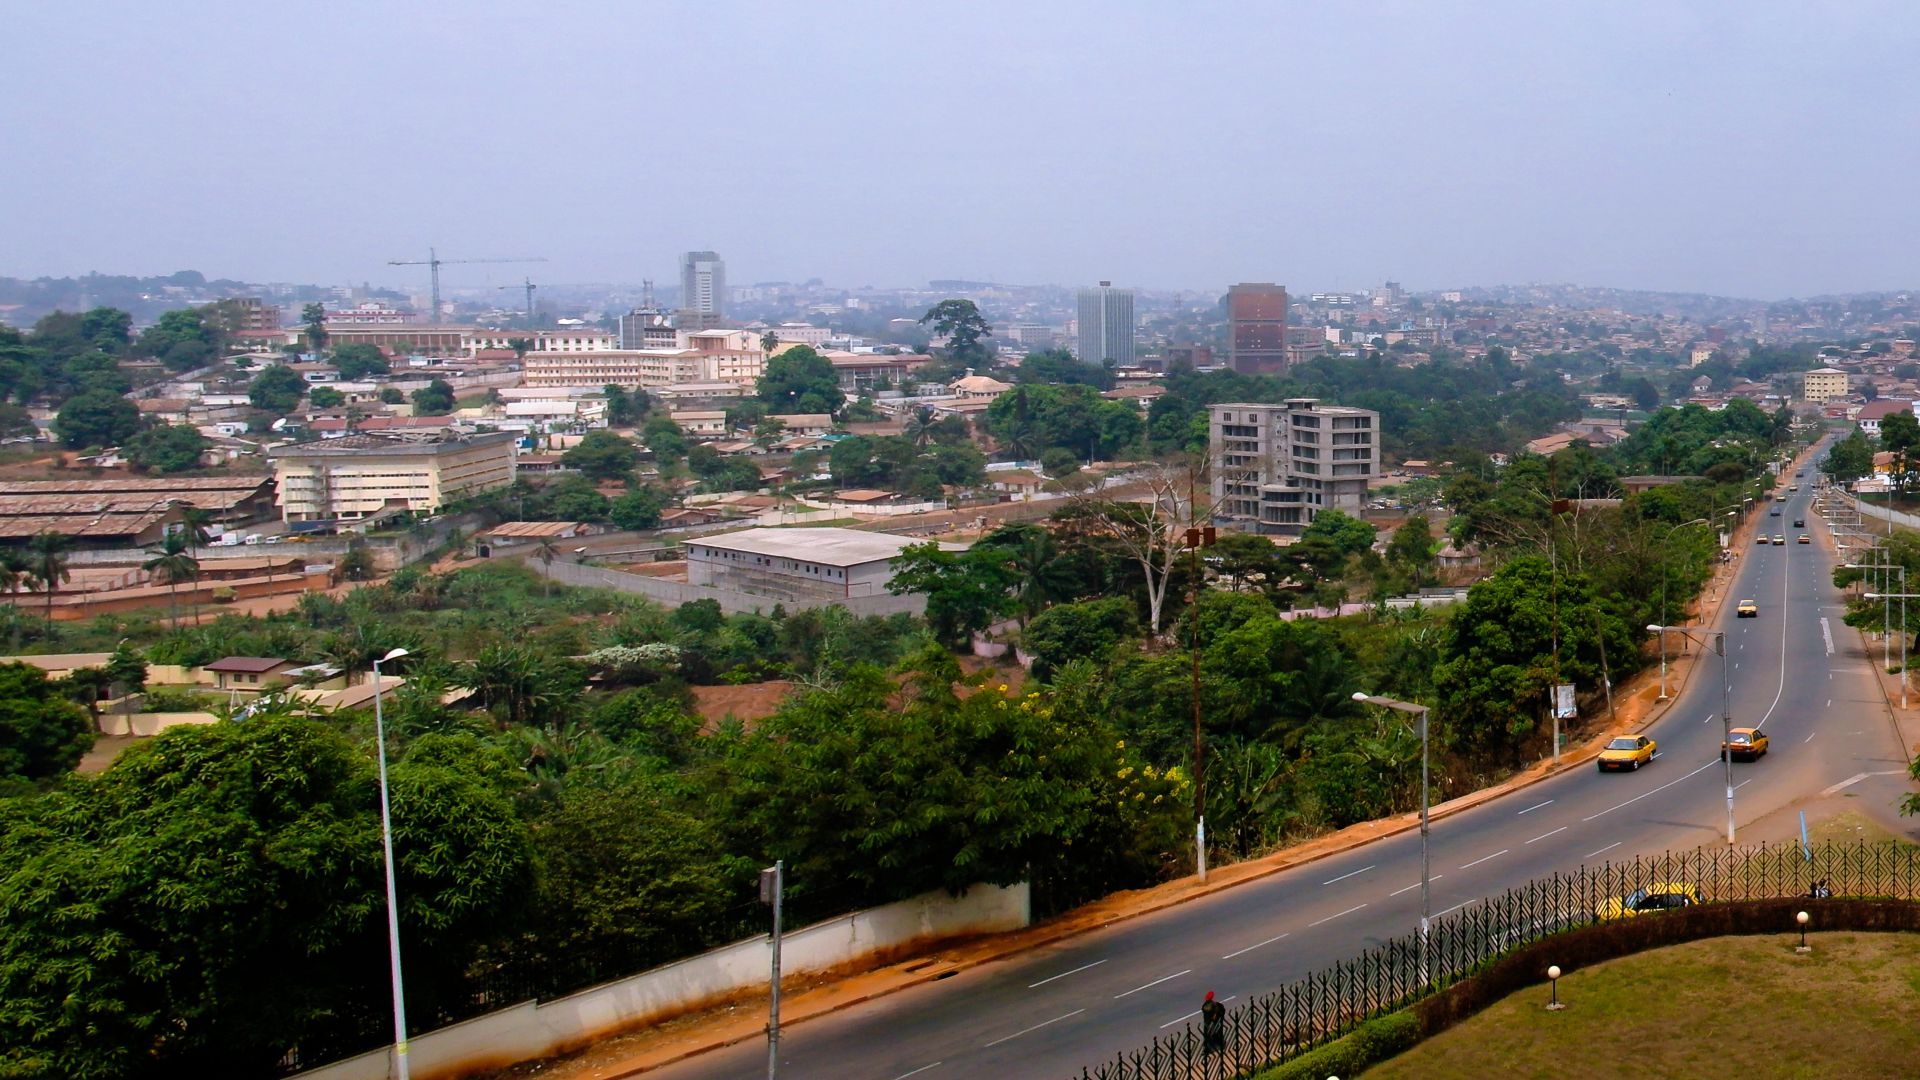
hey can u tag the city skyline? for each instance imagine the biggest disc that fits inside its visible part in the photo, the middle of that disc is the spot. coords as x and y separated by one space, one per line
1746 151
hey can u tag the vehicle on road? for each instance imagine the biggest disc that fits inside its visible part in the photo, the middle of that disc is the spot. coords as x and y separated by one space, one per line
1775 512
1660 896
1804 539
1761 538
1626 752
1747 610
1780 539
1799 523
1744 742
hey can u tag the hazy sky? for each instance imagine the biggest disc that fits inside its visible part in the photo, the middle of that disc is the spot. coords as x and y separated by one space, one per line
1752 149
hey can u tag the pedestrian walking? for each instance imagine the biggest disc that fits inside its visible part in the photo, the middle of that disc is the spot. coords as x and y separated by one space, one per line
1213 1025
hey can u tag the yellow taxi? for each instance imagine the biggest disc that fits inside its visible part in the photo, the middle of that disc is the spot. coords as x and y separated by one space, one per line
1660 896
1747 610
1626 752
1745 742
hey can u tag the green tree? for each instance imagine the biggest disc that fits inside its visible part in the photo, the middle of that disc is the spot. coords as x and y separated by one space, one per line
664 438
167 448
315 318
965 590
170 563
1088 630
47 562
325 397
434 399
357 361
603 455
277 389
523 687
961 323
391 395
639 508
624 408
42 734
1346 534
96 418
1850 459
800 380
1900 433
1413 549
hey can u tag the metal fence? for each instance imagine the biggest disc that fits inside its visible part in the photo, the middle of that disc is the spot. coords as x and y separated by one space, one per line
1277 1027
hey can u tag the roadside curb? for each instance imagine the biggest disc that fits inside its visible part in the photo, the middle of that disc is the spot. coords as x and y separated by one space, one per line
1017 942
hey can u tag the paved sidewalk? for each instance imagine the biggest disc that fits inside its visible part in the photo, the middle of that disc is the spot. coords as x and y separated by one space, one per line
1637 704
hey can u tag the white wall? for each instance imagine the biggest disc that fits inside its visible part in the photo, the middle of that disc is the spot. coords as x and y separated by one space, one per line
533 1030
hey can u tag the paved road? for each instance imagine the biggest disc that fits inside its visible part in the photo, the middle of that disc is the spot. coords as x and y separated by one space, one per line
1795 669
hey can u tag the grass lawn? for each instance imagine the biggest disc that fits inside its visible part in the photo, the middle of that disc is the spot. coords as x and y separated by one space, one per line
1746 1007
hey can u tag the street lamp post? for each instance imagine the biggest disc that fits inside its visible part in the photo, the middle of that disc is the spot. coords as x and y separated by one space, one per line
1196 538
1426 893
1904 595
1664 548
1719 639
393 904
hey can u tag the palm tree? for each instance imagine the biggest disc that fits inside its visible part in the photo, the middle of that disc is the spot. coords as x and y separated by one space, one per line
918 428
1042 572
548 552
14 575
47 563
194 522
172 562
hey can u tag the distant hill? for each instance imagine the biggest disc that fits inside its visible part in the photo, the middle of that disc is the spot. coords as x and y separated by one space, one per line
24 301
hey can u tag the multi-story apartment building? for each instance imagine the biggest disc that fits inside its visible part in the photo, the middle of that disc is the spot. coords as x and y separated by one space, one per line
722 356
1824 384
648 328
1106 325
360 476
1257 328
1276 466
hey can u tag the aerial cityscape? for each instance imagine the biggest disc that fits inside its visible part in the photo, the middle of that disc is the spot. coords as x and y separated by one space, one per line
710 541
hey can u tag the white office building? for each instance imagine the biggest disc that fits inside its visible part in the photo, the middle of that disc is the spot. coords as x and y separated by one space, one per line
703 283
1106 325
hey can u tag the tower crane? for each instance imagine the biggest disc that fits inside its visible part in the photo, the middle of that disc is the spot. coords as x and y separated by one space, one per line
529 285
434 262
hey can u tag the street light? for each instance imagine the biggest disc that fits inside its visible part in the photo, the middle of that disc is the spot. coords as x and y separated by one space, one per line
1664 548
393 902
1426 895
1719 638
1904 596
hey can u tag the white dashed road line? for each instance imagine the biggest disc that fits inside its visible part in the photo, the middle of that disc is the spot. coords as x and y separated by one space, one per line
1495 855
1344 877
1252 947
1154 983
1534 807
1603 850
1655 791
1543 836
1037 1027
1414 886
1064 974
917 1072
1330 918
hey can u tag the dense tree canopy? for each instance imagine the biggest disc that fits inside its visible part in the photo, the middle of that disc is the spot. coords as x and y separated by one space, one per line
42 734
800 380
96 418
167 448
602 455
277 389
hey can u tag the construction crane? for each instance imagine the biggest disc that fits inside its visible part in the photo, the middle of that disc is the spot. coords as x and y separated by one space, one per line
434 262
529 286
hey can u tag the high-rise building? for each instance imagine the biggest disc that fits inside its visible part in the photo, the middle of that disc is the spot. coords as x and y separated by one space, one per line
1276 466
1106 325
1257 328
703 283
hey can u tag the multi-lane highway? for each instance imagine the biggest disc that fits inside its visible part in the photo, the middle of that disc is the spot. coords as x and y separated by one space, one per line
1795 671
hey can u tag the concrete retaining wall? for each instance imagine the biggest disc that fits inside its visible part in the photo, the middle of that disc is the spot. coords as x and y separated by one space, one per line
539 1029
147 724
675 593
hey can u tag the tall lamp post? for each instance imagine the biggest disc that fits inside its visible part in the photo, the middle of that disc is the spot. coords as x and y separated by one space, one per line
393 904
1719 640
1904 596
1197 538
1664 548
1426 896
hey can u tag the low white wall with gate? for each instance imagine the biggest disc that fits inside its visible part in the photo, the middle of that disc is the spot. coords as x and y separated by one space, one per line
539 1029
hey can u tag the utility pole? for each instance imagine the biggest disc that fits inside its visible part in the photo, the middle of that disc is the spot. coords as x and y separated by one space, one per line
773 883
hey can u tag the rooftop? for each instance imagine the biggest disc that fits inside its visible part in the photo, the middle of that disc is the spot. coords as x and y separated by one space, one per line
253 665
832 547
375 446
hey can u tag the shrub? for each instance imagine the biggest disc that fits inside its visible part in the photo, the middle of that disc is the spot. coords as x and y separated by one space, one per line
1369 1044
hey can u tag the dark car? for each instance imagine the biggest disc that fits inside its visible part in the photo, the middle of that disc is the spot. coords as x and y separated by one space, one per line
1799 523
1775 512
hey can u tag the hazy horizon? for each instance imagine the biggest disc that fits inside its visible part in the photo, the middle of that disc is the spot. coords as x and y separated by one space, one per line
1739 150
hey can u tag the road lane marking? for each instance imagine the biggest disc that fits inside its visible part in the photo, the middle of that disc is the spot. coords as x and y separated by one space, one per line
1809 737
1064 974
1037 1027
1826 632
1252 947
1534 807
918 1071
1453 909
1154 983
1543 836
1193 1014
1743 783
1495 855
1344 877
1845 784
1603 850
1413 886
1330 918
1655 791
